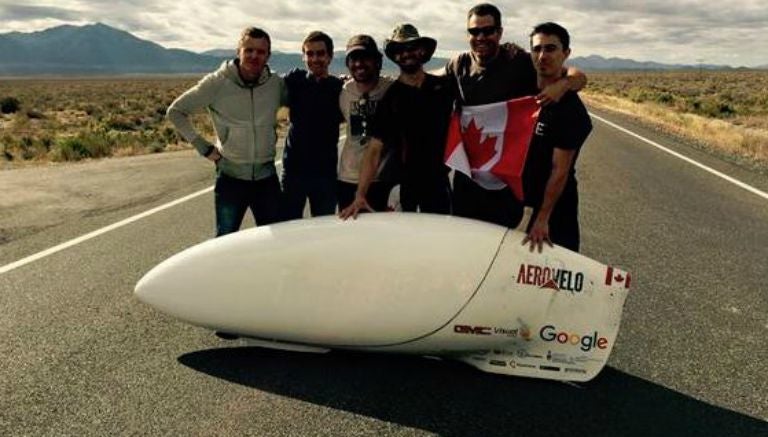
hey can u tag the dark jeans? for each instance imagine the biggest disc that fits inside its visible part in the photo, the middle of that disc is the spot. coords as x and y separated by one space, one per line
494 206
234 196
378 194
431 195
320 190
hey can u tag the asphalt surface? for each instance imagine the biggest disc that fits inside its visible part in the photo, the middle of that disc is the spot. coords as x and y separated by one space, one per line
81 356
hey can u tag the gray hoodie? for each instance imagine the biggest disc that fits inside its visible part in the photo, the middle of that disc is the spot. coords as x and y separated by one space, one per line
244 118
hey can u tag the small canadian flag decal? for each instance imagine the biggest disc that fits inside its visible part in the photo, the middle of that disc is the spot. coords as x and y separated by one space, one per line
617 277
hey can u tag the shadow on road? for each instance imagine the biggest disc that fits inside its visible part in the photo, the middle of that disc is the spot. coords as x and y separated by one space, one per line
454 399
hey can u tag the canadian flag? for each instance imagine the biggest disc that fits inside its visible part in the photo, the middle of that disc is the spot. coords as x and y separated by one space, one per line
617 277
489 143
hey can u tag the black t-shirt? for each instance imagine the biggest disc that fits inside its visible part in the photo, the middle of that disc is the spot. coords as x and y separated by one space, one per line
311 146
564 125
509 76
414 121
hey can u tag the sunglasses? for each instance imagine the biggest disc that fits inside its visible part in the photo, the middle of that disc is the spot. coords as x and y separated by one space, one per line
487 30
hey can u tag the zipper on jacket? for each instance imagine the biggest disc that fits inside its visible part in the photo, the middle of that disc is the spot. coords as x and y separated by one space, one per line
253 129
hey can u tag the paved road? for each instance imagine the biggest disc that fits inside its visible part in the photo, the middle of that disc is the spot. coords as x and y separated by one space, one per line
80 356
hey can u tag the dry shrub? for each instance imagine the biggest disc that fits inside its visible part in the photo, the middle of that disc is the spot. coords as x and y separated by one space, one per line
9 105
719 135
755 143
81 118
86 145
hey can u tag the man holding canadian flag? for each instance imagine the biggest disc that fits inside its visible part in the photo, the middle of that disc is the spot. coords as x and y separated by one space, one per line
499 99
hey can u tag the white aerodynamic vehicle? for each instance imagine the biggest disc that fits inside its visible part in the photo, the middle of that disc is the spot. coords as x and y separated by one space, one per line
401 283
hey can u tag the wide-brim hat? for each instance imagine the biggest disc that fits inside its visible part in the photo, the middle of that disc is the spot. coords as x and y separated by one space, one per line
408 34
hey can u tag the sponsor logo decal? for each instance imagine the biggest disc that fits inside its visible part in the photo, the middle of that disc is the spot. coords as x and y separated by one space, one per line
549 278
586 342
524 333
472 330
550 368
617 278
561 358
521 353
506 331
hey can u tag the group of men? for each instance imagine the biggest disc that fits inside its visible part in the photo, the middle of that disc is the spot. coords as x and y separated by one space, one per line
395 129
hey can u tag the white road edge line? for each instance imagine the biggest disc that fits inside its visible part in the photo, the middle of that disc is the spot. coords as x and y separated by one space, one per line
96 233
736 182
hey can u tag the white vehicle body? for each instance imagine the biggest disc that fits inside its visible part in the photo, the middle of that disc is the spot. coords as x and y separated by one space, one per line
401 283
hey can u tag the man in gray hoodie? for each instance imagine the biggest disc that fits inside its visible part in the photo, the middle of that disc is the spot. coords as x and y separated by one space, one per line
242 98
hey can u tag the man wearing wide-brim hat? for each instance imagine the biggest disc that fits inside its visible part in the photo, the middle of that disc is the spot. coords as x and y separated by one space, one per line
405 36
412 119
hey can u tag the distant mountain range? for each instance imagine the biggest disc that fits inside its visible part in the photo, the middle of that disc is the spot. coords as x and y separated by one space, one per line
93 49
595 62
101 49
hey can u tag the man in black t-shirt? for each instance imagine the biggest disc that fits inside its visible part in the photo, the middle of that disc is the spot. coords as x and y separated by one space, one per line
550 177
412 118
310 154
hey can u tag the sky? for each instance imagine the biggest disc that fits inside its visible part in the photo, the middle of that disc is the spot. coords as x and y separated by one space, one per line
727 32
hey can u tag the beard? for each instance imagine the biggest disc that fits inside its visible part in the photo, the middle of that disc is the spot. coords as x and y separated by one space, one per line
411 61
410 68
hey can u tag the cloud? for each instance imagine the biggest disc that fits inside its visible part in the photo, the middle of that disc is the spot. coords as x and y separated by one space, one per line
25 13
661 30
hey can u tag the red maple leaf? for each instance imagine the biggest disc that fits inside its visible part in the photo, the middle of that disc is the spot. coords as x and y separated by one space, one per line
478 152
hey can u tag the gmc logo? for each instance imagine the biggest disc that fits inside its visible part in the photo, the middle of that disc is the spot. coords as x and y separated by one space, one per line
473 330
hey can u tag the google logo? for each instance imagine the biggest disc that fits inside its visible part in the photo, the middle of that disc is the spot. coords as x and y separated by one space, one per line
588 342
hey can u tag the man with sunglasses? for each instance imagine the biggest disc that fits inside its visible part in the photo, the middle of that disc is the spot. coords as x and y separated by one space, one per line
487 74
561 129
412 119
358 101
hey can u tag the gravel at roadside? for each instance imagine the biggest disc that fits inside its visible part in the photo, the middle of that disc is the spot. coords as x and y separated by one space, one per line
33 199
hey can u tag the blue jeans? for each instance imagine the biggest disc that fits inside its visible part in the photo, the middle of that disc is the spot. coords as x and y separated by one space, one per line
234 196
320 190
